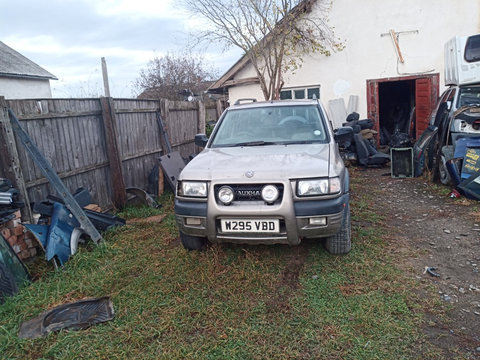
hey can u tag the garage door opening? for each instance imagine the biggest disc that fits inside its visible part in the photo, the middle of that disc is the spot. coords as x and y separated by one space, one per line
396 110
400 107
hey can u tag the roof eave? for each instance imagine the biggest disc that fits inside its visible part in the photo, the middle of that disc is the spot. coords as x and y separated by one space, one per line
24 76
220 83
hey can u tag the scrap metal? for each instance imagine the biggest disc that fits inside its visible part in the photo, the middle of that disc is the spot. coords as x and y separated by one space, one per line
77 315
50 173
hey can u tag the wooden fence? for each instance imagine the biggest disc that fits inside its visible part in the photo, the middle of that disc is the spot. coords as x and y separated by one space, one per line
103 145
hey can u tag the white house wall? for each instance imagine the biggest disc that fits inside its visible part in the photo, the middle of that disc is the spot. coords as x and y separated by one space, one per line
368 55
245 91
12 88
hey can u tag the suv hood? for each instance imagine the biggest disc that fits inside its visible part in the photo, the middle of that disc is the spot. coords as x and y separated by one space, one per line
271 162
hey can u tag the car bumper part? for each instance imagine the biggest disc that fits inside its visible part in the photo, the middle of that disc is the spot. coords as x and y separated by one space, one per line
297 220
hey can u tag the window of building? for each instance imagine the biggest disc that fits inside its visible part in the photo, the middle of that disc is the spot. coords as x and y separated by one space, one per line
285 94
313 91
300 93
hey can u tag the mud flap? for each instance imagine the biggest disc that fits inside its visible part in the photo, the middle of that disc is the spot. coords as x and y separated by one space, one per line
77 315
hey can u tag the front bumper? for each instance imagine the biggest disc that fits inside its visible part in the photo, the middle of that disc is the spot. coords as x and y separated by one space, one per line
202 219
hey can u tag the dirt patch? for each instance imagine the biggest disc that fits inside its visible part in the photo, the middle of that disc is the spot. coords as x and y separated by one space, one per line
150 219
426 228
288 281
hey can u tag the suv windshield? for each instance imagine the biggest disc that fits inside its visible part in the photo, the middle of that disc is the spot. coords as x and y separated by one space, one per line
297 124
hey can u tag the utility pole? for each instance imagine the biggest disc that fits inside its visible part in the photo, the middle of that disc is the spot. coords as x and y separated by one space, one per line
105 78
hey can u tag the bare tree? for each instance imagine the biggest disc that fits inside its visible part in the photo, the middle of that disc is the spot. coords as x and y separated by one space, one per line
274 34
174 76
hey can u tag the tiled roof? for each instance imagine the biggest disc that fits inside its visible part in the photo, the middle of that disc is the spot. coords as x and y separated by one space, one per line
14 64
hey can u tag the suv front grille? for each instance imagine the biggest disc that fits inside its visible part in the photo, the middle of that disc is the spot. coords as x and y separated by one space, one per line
248 192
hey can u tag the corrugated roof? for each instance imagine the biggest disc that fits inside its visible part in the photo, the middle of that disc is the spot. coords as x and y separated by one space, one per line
14 64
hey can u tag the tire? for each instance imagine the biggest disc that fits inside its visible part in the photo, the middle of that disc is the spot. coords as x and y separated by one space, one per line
193 242
443 174
341 242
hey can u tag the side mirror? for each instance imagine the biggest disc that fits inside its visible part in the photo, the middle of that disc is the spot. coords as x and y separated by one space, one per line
201 140
343 134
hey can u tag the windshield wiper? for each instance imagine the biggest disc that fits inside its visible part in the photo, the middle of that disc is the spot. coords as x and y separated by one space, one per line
255 143
299 142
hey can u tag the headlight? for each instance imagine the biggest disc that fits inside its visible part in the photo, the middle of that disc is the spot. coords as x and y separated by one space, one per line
226 195
315 187
192 189
269 194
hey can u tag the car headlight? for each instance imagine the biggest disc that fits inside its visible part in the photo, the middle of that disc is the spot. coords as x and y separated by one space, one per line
270 193
226 195
192 189
313 187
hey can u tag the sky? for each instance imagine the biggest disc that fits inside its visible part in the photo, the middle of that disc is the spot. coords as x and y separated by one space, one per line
68 38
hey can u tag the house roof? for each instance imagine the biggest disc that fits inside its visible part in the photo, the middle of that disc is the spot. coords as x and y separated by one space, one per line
227 78
14 64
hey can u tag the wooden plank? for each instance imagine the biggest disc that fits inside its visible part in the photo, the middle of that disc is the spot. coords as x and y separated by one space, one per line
58 115
201 118
246 81
89 137
161 182
26 163
10 161
145 153
55 181
59 146
67 174
109 122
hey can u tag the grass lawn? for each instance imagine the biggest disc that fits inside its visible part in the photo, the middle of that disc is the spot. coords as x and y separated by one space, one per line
229 302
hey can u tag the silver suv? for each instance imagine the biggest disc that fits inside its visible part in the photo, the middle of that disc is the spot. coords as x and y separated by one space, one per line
270 173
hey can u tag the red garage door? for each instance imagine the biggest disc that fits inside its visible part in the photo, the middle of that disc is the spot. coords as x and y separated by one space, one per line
425 93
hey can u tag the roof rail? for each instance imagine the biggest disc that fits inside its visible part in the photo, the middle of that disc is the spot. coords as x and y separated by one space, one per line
239 101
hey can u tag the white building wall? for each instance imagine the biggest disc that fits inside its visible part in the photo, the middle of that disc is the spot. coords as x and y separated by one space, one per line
245 91
368 55
12 88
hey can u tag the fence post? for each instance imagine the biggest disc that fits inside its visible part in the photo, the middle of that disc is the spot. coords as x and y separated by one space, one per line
219 108
9 160
165 110
110 126
201 118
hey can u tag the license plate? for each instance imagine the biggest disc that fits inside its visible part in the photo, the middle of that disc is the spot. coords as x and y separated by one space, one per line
250 225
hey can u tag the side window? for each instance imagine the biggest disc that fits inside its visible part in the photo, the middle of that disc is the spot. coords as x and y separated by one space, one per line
472 49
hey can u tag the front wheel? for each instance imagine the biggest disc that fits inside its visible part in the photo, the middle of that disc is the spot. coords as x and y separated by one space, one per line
193 242
341 242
